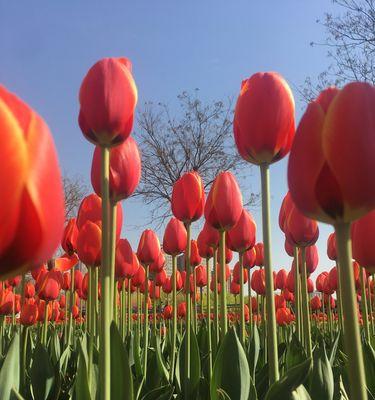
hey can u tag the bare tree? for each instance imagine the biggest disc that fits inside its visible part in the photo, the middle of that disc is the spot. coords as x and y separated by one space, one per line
199 137
74 189
351 46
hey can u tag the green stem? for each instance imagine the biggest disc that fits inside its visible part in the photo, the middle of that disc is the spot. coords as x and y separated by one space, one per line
106 292
194 300
123 310
242 299
90 320
339 298
296 293
187 320
250 299
174 326
353 346
45 324
305 306
364 304
23 348
271 316
216 300
112 246
71 304
145 323
209 317
223 291
130 320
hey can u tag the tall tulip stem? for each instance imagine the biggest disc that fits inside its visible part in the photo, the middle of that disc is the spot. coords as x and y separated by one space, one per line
188 309
208 272
364 304
112 246
353 346
174 309
271 315
296 293
223 291
106 295
145 323
216 300
305 306
242 299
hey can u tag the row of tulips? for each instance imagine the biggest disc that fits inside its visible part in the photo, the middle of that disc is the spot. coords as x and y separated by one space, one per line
111 334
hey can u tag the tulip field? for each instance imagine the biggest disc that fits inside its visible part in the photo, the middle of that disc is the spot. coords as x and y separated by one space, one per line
85 316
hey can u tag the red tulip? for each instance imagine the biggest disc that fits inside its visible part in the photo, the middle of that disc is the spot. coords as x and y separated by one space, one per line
211 235
333 278
310 285
168 312
107 98
363 232
283 316
204 249
288 248
62 301
331 247
37 271
139 277
290 281
89 244
69 240
224 202
179 280
328 171
66 281
200 276
167 285
15 281
249 258
264 118
259 254
148 247
158 264
6 301
236 273
300 230
228 256
126 262
32 200
218 274
281 279
29 290
160 278
66 262
242 236
78 278
316 303
312 259
188 197
280 301
320 279
154 292
29 313
289 296
181 310
234 288
285 208
195 258
175 237
258 281
124 170
50 286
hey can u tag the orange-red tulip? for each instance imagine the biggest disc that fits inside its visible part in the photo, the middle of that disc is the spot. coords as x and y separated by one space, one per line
124 170
224 202
126 262
29 313
249 258
107 98
181 310
200 276
160 278
195 258
205 250
236 273
363 239
89 244
316 303
188 197
264 118
281 278
168 312
139 277
69 240
332 155
175 237
259 254
148 247
242 236
158 264
49 288
31 195
331 247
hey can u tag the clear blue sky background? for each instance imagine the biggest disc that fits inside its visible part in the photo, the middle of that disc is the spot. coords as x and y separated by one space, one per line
47 46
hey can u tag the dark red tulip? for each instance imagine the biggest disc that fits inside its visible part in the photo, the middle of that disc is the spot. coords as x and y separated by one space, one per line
285 208
310 285
160 278
316 303
126 262
280 301
78 278
32 199
107 98
333 278
168 312
249 258
188 197
69 240
234 288
6 301
200 276
29 290
124 170
363 231
167 285
51 284
258 281
66 281
89 244
328 171
281 279
148 247
224 202
15 281
175 237
259 254
181 310
288 248
236 273
228 256
37 271
29 313
211 235
300 230
90 209
331 247
158 264
264 118
242 236
218 274
195 258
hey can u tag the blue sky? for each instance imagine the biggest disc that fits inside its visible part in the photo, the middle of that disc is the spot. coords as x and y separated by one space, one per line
47 47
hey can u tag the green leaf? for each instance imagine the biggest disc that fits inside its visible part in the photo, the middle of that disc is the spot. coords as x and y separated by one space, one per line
10 370
195 366
332 355
231 370
284 388
295 354
81 387
162 393
253 351
42 373
369 361
54 348
137 356
321 384
121 376
160 360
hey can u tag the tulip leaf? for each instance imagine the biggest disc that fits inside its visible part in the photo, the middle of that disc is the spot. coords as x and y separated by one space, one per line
295 354
322 383
253 351
82 388
42 373
231 370
161 393
192 384
54 348
160 360
137 355
284 388
121 375
369 361
10 370
332 355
